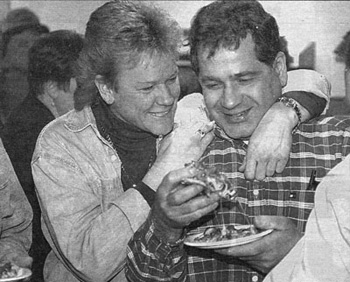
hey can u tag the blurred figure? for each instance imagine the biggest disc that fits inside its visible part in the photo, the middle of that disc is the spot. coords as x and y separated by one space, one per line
284 49
347 78
21 29
342 48
51 87
340 106
323 253
15 216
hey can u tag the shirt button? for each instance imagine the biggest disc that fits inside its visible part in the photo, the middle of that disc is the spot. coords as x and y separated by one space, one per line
114 158
255 278
256 192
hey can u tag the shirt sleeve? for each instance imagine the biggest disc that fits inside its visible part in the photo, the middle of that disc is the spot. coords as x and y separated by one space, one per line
312 83
15 214
151 259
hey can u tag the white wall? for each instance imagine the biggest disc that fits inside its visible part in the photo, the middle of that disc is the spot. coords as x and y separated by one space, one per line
301 22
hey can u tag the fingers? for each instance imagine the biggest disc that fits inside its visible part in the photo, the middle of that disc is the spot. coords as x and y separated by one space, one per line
244 251
273 222
250 167
183 194
242 168
261 169
281 164
190 213
23 261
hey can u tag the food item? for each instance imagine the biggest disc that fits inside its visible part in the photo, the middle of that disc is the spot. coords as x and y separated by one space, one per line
212 180
8 270
229 232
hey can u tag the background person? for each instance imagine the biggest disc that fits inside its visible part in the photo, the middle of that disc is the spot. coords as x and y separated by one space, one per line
323 253
51 87
236 53
21 28
96 168
15 217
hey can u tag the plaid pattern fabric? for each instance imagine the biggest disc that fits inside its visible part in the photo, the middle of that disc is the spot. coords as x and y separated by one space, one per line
149 258
316 146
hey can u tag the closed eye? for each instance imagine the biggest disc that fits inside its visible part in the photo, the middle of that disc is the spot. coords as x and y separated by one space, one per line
148 88
212 86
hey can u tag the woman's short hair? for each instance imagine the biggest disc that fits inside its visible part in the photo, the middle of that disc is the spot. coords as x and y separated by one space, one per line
224 24
52 58
117 35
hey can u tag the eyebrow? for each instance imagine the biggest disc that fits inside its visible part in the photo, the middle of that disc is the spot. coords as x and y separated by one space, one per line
238 75
175 73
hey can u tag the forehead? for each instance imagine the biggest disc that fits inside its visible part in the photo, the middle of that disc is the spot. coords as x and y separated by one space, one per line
229 58
148 66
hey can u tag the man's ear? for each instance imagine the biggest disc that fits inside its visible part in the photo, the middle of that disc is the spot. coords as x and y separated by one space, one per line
105 90
280 67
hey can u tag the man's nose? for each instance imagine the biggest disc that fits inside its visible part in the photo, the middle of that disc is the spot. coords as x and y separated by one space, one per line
232 97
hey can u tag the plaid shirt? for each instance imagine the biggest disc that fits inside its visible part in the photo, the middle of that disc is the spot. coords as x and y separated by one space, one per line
318 145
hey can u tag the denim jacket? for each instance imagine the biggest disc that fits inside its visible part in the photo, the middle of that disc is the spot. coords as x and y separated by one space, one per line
15 213
88 217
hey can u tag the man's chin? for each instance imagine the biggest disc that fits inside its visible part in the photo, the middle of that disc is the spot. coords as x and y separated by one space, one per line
238 134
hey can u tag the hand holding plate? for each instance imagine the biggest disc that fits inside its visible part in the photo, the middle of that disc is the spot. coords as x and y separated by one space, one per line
265 253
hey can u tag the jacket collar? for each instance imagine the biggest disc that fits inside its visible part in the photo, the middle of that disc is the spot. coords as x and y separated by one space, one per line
78 120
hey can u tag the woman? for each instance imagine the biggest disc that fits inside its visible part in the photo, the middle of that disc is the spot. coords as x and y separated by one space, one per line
52 84
97 167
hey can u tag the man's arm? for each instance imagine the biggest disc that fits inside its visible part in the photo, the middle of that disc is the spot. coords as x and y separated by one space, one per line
155 252
151 259
310 91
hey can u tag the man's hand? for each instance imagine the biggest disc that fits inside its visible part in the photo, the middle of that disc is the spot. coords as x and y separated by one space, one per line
266 252
181 146
177 205
270 144
20 259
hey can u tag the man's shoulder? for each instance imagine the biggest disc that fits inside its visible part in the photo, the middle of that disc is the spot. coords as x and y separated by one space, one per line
328 123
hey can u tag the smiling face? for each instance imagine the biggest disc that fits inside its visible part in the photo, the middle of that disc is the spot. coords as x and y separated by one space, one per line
146 95
238 89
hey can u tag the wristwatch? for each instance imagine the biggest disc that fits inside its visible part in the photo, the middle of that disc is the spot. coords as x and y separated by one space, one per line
291 103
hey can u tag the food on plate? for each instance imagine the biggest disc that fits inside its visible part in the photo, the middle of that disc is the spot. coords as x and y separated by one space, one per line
225 232
8 270
213 181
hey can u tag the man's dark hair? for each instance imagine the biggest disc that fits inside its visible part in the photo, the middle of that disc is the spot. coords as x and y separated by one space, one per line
52 58
224 24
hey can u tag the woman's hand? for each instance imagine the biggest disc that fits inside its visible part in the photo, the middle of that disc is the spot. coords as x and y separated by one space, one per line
270 144
183 145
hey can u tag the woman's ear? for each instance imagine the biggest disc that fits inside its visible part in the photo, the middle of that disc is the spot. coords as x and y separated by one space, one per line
50 88
280 67
106 92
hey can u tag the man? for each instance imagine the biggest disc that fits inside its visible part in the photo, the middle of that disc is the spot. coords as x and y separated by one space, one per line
15 216
236 53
